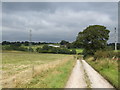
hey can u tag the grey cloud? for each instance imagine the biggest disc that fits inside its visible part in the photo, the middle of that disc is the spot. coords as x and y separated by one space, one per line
55 21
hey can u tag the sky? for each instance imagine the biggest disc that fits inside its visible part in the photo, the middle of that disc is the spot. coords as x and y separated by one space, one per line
55 21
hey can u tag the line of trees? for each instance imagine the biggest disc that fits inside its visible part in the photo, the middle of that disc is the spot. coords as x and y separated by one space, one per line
14 47
71 45
26 43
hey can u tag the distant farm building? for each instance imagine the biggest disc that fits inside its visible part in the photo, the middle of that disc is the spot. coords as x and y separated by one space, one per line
54 45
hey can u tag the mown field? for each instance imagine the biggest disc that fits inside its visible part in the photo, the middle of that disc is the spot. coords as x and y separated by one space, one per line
36 70
107 67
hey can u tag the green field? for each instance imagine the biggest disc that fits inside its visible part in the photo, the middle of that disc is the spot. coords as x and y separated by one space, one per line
78 50
108 68
34 47
45 67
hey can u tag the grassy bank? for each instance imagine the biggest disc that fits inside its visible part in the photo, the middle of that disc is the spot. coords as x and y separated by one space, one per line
108 68
54 77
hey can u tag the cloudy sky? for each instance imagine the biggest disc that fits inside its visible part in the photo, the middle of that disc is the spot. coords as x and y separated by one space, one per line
55 21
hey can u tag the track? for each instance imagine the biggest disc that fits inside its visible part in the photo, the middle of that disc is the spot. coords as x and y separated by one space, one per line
84 76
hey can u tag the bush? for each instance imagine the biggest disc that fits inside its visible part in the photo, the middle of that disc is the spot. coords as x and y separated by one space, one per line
14 47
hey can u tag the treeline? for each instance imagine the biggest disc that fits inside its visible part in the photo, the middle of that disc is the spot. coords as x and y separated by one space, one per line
63 43
71 45
78 44
55 50
26 43
17 47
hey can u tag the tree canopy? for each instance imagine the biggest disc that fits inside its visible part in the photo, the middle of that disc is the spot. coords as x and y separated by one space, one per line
93 38
63 42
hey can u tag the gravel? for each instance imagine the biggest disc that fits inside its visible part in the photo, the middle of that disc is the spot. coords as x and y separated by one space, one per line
77 79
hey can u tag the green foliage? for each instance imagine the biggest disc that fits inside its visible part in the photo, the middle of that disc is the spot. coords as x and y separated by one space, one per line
73 51
105 54
45 47
93 38
14 47
73 45
63 42
30 49
55 50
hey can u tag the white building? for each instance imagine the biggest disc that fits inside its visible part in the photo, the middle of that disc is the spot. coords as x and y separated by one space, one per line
53 45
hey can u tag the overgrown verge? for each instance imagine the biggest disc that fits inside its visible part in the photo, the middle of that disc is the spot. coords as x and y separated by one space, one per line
53 77
107 67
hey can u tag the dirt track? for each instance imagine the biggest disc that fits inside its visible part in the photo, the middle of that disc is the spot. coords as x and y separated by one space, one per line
77 79
83 75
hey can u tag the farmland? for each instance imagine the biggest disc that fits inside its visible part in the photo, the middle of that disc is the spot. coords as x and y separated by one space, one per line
16 63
